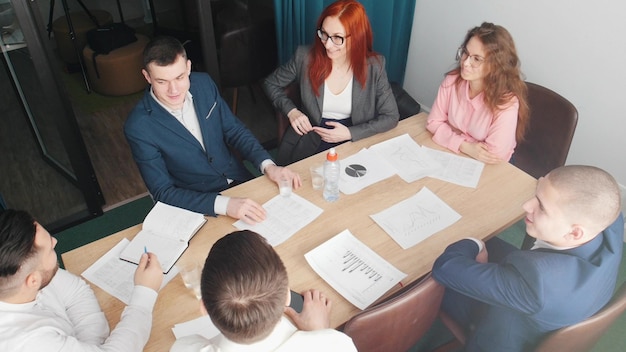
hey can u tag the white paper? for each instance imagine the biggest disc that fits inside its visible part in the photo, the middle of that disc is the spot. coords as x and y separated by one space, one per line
456 169
359 274
361 170
202 326
416 218
116 276
285 217
407 157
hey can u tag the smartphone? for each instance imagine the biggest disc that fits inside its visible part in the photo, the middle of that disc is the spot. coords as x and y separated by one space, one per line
296 301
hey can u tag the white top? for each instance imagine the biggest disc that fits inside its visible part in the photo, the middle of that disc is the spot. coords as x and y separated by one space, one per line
337 107
186 116
285 337
66 317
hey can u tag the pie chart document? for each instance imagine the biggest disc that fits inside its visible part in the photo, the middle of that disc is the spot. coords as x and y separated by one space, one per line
363 169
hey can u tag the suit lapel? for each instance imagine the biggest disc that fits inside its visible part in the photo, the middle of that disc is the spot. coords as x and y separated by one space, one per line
358 100
167 120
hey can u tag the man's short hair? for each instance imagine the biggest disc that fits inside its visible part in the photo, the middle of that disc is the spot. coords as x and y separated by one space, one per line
17 245
163 51
244 286
587 192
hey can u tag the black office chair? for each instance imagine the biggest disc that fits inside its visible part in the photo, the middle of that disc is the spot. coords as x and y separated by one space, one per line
247 45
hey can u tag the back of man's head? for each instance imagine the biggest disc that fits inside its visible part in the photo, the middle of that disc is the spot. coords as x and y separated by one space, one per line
587 194
17 239
244 286
163 51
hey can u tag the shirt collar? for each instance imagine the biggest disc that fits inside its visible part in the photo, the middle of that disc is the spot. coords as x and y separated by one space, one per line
188 100
546 245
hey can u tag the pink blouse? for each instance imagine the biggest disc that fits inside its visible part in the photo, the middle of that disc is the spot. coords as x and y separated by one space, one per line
455 118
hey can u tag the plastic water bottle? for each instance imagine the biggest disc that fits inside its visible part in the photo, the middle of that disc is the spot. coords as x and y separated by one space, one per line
331 176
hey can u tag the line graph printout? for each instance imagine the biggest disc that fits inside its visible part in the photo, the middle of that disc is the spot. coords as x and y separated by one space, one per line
354 270
456 169
416 218
285 217
407 157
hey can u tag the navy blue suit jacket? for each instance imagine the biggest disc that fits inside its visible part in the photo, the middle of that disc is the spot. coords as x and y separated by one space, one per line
513 303
173 164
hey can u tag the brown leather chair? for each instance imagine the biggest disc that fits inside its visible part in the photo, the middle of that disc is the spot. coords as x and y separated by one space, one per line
549 135
398 322
579 337
550 131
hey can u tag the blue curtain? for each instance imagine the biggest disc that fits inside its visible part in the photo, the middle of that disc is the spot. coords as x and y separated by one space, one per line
391 23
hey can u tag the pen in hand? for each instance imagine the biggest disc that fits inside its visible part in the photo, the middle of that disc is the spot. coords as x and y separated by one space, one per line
145 250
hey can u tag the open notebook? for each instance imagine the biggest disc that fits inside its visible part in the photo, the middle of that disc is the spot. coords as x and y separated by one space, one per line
166 232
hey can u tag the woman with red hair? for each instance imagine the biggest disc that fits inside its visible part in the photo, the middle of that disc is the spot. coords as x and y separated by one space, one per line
343 86
481 108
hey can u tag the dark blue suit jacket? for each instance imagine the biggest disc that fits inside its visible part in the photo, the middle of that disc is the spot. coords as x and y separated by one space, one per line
173 164
513 303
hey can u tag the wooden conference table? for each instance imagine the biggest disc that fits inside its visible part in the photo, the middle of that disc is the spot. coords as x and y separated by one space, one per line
493 206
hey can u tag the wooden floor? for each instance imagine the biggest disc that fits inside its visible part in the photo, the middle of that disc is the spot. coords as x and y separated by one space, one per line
26 180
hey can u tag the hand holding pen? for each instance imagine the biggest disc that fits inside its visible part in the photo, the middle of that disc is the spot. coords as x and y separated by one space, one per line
148 271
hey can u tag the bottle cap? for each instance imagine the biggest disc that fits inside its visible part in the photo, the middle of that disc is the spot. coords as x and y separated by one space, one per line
332 155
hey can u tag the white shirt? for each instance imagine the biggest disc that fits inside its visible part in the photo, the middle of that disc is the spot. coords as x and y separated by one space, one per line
65 316
285 338
337 106
185 115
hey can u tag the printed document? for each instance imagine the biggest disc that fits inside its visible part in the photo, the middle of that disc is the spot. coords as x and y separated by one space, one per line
285 217
354 270
361 170
116 276
407 157
416 218
460 170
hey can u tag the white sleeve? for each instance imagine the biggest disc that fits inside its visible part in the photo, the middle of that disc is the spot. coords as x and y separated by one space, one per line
81 307
130 334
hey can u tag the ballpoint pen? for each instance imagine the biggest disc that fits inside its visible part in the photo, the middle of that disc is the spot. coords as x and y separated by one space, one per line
145 250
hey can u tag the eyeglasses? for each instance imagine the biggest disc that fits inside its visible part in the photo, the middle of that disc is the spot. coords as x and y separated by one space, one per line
336 39
475 60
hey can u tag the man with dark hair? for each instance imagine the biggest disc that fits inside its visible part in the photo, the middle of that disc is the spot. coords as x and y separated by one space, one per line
44 308
507 298
245 291
182 135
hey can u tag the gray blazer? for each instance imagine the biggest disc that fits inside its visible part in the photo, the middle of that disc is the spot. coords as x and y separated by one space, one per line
374 108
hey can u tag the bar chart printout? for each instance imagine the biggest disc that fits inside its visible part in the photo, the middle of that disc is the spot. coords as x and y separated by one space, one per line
354 270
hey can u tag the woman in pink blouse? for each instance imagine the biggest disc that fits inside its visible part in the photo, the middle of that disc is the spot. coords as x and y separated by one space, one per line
481 107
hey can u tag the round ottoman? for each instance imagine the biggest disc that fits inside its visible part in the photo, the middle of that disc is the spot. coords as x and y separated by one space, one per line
119 71
82 24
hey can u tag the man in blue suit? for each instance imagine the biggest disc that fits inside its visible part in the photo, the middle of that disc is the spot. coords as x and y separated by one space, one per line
508 299
182 135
